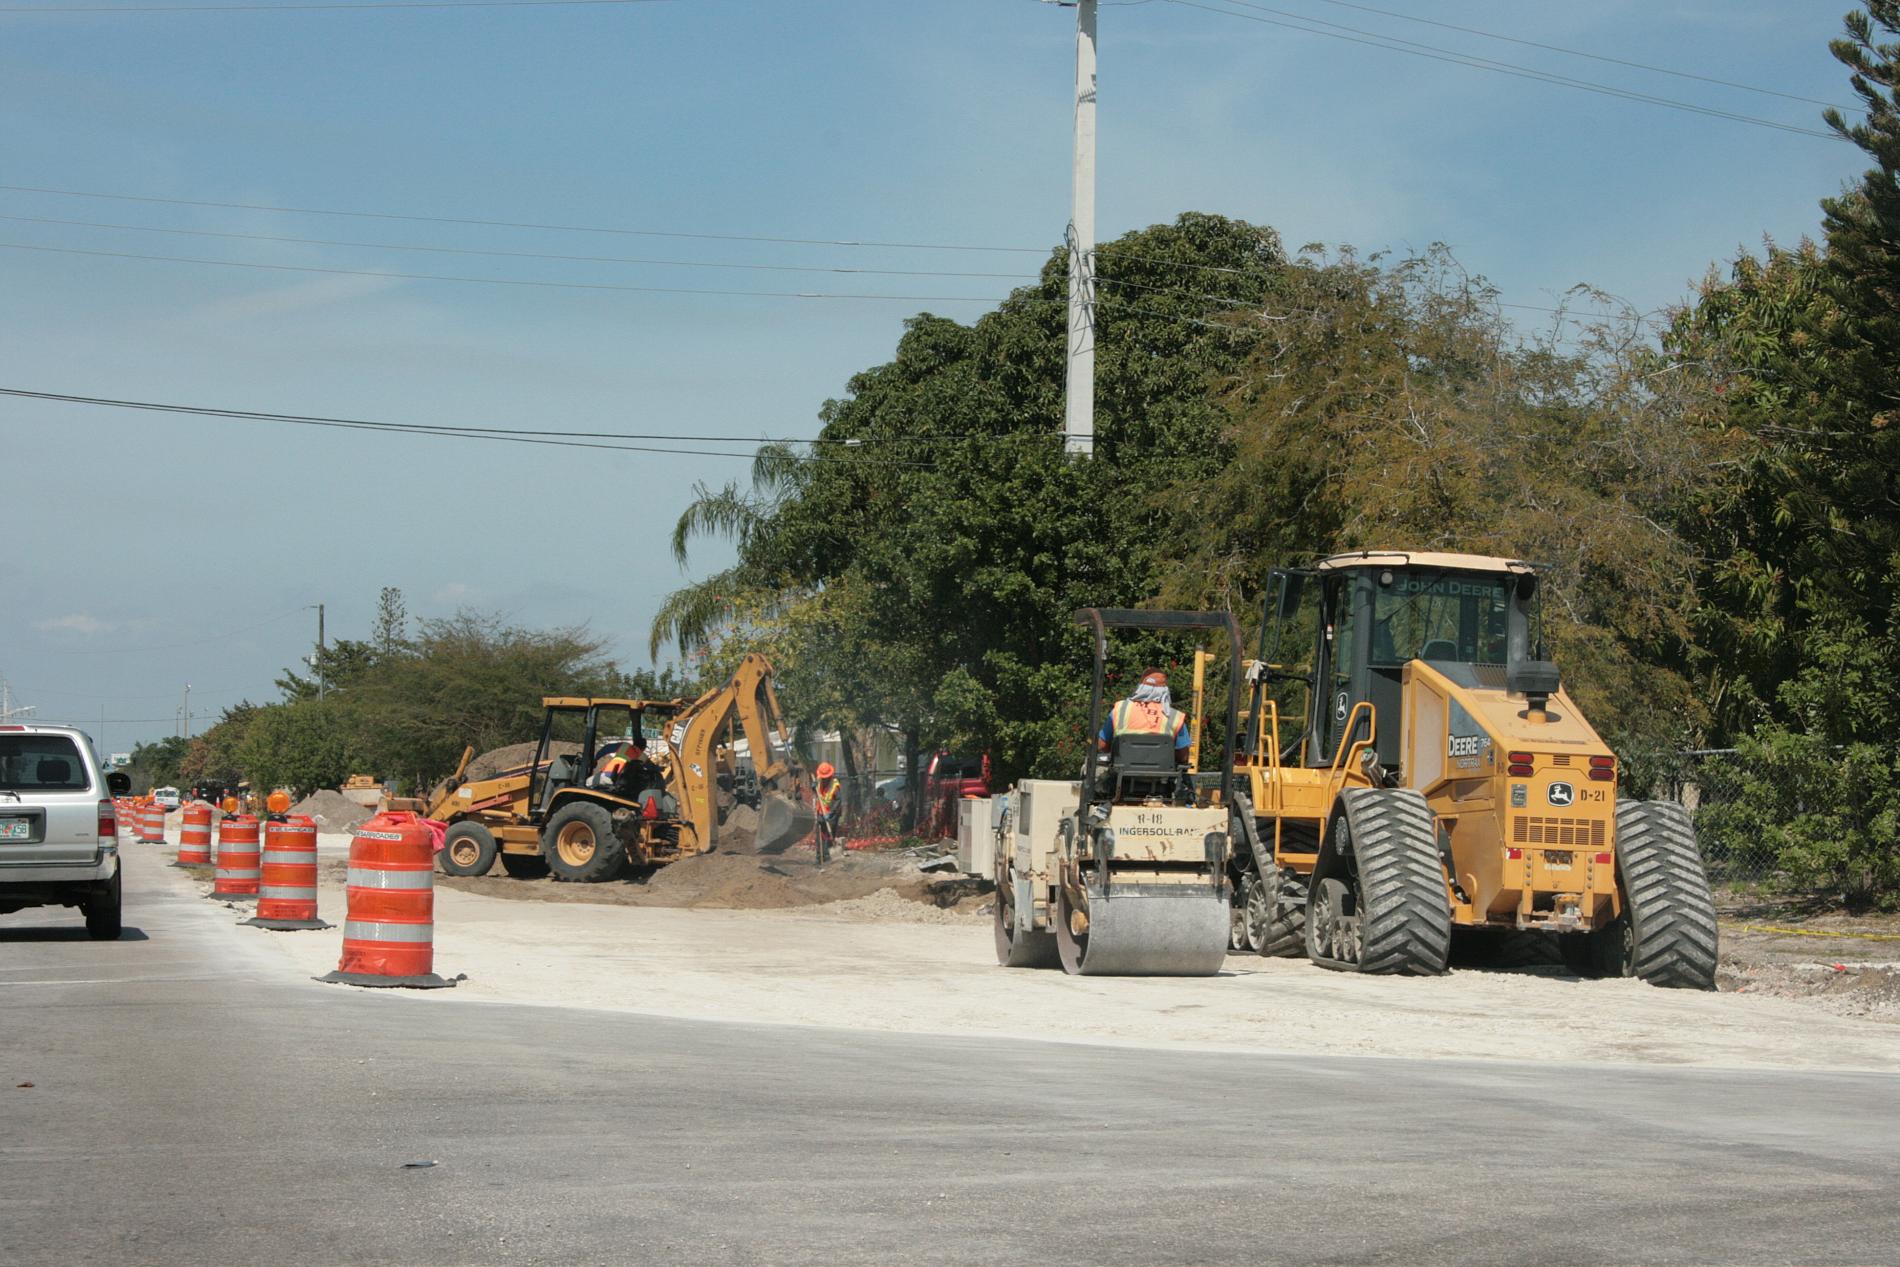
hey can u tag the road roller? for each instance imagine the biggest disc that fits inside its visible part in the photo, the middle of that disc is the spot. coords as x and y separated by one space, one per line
1124 872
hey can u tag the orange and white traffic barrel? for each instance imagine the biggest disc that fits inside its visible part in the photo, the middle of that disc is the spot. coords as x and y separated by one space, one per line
237 860
389 932
287 877
152 824
194 836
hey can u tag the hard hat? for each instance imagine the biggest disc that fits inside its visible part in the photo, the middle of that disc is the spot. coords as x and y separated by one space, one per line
1154 677
825 770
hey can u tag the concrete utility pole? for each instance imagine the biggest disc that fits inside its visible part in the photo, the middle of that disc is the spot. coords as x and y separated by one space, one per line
1079 422
186 712
316 661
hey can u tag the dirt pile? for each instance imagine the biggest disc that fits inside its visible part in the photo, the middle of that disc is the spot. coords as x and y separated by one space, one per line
863 887
495 760
332 810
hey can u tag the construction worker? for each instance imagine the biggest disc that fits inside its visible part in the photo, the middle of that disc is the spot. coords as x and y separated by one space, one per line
1149 711
826 801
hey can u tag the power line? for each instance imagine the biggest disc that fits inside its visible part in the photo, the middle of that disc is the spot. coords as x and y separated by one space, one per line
1577 52
522 224
175 646
298 6
458 428
519 255
496 281
399 428
1392 43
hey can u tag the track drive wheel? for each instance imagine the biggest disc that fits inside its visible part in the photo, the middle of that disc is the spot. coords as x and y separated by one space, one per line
580 845
468 849
1388 911
524 866
1667 932
1017 947
1276 929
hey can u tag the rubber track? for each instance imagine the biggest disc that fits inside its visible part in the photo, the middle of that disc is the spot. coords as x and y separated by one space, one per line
1405 919
1286 932
1672 913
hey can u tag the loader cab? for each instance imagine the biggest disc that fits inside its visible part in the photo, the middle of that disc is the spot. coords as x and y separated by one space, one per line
580 734
1370 614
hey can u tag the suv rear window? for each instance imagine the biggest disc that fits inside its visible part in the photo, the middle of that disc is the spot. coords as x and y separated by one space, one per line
41 762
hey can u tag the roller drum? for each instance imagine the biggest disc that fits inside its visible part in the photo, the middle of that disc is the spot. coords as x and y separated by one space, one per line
1179 932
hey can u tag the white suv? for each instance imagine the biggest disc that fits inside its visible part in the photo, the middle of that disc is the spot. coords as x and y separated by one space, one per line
59 836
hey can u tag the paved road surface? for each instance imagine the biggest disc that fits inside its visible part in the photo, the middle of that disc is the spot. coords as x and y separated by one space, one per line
192 1106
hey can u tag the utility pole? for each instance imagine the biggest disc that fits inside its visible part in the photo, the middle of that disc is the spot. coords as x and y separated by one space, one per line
316 661
187 712
1079 422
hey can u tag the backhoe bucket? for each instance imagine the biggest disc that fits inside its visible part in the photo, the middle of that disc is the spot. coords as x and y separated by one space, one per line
782 823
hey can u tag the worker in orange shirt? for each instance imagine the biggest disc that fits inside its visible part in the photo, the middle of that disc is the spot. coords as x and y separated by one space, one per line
827 805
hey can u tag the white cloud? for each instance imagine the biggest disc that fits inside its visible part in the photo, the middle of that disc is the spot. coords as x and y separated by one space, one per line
77 623
453 592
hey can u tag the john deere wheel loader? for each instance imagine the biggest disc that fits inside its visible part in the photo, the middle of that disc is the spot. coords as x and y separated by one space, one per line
1440 780
1123 873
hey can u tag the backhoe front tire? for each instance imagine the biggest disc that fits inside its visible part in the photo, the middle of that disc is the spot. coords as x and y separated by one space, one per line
1398 918
1667 932
467 849
580 845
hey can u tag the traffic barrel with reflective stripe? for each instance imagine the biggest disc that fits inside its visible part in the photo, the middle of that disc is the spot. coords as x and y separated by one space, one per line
389 931
287 879
194 836
152 824
237 860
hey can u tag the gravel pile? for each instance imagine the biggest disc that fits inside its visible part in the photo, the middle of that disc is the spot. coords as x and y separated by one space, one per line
332 810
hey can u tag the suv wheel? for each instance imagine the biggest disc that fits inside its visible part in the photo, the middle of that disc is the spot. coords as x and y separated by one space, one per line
102 911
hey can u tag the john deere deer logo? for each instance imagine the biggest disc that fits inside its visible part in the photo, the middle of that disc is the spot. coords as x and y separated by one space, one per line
1562 794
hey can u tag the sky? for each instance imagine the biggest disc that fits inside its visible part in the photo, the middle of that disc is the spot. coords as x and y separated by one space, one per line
150 551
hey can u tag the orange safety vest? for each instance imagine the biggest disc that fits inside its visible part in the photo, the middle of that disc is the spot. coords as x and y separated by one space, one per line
823 794
1142 717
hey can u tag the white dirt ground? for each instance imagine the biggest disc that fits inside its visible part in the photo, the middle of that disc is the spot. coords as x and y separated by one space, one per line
883 963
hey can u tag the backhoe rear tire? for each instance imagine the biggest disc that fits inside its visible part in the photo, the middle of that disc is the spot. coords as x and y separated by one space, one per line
1667 932
468 849
580 846
1399 912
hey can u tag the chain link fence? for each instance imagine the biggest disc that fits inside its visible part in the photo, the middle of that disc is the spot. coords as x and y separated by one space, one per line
1705 781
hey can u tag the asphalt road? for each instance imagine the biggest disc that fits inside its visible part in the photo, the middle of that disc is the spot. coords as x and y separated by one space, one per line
190 1105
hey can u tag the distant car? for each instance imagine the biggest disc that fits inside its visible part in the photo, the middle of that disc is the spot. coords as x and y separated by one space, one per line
59 835
167 797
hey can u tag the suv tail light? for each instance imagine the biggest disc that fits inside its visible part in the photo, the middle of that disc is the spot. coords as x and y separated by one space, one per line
108 822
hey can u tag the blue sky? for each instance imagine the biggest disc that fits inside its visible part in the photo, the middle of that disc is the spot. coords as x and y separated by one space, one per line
152 550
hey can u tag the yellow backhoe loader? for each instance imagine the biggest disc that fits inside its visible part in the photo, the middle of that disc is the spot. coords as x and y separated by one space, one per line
576 815
1439 778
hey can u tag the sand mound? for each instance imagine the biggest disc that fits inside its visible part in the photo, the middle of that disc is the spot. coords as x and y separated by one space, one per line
495 760
738 879
332 810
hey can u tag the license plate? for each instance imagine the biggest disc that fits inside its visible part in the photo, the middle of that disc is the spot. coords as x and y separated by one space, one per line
16 829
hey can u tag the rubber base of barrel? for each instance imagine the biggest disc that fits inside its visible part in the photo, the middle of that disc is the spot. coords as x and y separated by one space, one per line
285 925
429 982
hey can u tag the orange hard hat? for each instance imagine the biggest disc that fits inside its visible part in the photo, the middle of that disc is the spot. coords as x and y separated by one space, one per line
1154 677
826 770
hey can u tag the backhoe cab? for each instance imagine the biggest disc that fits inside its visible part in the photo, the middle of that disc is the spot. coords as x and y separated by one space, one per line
1439 777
